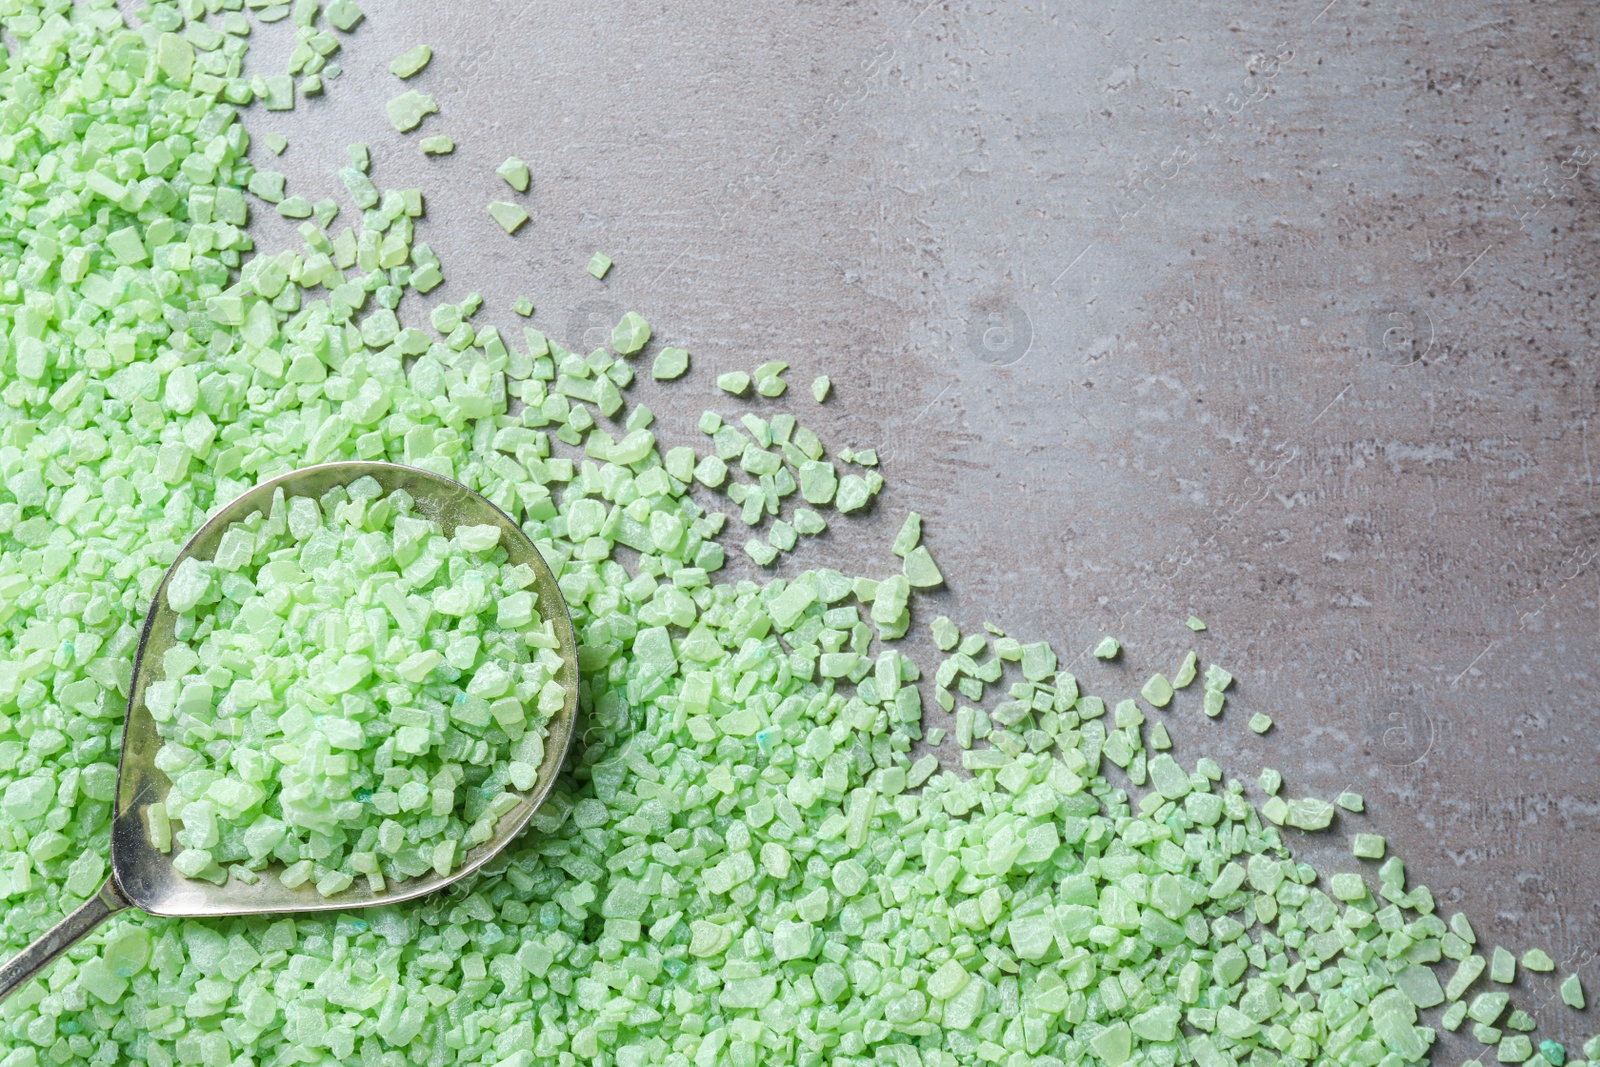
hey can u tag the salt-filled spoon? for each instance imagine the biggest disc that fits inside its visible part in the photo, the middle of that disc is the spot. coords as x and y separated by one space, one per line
144 877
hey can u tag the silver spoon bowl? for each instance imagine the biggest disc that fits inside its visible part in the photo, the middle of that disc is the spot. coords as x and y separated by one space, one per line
143 877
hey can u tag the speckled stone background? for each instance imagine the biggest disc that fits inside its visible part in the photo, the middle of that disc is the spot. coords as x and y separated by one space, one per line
1275 313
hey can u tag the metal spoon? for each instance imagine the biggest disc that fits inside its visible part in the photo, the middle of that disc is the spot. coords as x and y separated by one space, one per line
144 878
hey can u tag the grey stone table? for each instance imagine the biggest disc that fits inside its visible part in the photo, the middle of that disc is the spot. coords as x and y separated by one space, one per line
1275 313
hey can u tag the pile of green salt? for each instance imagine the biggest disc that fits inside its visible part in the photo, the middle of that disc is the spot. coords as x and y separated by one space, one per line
747 860
350 694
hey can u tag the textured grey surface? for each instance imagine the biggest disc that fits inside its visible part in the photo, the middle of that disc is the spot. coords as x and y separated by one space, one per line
1279 314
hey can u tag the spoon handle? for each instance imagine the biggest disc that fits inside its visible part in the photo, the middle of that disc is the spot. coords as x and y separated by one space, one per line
60 937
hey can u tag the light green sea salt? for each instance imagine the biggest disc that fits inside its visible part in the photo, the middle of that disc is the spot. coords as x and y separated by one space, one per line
515 174
439 146
344 14
910 535
407 110
599 265
670 363
734 383
630 334
375 687
1308 813
278 92
411 62
1108 648
1467 972
920 569
295 207
509 216
746 786
1486 1008
1514 1048
1537 959
768 379
1157 690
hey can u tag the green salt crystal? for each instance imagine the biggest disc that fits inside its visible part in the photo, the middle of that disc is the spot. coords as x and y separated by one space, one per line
407 110
1309 813
509 216
410 62
1347 886
1467 972
854 493
1158 691
630 334
344 15
1536 959
670 363
910 535
920 569
1486 1008
515 174
818 481
1514 1048
1421 985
